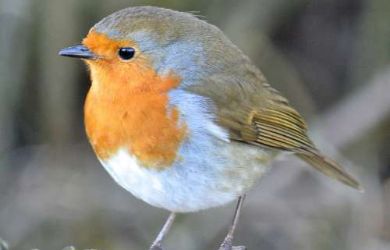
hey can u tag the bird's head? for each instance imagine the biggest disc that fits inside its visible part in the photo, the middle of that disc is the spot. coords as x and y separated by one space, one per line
135 45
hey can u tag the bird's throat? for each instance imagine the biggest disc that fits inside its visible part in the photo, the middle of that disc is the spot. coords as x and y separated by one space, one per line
141 121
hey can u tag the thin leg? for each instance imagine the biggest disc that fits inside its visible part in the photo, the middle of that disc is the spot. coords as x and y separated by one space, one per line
157 244
227 243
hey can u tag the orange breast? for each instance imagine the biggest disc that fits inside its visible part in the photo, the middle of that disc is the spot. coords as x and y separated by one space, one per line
140 122
127 107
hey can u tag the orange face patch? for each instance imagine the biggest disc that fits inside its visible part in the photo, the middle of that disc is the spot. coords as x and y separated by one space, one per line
128 107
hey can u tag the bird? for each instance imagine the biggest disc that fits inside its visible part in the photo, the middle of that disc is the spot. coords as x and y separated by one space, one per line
181 118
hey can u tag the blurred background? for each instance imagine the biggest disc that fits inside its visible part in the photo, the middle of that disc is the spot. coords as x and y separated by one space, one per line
331 58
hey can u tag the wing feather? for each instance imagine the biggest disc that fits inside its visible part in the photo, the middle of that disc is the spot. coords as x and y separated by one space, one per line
255 113
281 127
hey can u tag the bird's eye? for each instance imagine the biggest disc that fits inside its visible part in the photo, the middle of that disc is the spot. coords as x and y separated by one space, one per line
126 53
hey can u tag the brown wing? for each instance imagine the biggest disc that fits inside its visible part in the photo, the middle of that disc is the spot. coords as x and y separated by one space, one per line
258 114
282 127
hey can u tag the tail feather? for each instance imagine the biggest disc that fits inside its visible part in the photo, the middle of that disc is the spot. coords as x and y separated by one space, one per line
330 168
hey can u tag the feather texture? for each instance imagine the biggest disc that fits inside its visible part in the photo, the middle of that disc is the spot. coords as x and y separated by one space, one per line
255 113
281 127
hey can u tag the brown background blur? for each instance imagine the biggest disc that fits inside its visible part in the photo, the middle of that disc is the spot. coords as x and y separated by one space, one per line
331 58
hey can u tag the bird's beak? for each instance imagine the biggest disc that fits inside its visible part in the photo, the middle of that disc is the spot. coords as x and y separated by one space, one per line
78 51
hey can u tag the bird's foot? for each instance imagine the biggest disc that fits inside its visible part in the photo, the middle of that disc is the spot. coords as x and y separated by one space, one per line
156 246
227 244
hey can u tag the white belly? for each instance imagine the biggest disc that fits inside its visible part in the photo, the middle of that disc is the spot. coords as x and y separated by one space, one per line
209 171
196 181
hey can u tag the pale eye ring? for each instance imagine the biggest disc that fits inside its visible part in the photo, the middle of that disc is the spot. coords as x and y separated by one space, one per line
126 53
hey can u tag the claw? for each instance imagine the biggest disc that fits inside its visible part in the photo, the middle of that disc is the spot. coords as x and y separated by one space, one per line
157 246
228 245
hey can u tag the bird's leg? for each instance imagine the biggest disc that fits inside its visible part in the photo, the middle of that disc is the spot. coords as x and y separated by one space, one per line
157 244
227 243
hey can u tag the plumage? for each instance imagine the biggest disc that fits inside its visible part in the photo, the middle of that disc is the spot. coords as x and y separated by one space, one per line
255 113
185 121
217 87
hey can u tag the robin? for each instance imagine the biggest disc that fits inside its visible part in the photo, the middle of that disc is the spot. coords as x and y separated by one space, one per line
181 118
